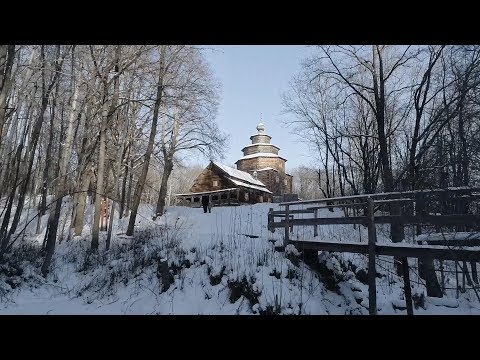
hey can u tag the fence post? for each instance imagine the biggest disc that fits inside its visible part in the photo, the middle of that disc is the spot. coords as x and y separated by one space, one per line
456 279
372 235
271 220
406 286
287 225
315 227
442 277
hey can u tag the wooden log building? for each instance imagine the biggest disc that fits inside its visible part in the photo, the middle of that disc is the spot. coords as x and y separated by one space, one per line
260 177
225 185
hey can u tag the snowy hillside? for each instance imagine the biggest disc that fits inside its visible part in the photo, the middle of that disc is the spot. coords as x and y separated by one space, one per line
188 262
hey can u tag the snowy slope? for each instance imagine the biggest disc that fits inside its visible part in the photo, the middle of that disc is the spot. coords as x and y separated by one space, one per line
220 263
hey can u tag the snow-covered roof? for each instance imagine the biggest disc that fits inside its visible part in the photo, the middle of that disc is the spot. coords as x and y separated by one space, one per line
241 183
262 134
270 168
261 155
264 144
267 168
238 174
206 192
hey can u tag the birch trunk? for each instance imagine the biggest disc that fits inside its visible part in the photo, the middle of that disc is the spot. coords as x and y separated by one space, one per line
61 185
153 131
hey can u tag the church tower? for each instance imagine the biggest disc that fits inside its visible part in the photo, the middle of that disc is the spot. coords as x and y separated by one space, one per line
261 159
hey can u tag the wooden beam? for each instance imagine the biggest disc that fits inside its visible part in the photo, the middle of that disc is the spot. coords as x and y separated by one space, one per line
387 201
323 221
459 243
402 194
287 225
456 219
429 251
398 249
453 199
332 246
282 212
360 204
387 219
372 271
324 200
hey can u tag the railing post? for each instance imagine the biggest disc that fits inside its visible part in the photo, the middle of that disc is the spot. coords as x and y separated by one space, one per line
315 227
287 225
372 236
406 286
271 221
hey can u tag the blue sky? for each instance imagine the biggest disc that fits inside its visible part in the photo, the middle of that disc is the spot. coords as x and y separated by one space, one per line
253 78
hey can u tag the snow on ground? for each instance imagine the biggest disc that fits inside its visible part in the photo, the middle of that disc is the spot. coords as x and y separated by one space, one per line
222 262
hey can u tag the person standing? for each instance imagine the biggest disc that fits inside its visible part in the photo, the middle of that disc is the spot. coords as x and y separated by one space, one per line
205 203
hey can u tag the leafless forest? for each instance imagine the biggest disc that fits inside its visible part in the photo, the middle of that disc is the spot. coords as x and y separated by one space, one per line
112 123
91 122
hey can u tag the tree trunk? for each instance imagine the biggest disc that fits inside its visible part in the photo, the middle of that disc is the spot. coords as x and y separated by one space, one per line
426 271
167 171
121 154
99 193
153 131
22 193
61 185
9 205
80 204
124 185
129 191
7 53
396 233
106 117
84 175
36 131
43 203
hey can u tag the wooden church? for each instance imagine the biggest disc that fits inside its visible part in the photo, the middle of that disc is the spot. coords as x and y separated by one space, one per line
261 157
260 177
225 185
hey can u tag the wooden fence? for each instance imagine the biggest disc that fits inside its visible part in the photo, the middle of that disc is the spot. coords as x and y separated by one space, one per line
411 209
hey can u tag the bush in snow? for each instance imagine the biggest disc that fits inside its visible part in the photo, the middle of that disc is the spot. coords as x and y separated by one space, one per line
19 265
150 253
244 287
330 270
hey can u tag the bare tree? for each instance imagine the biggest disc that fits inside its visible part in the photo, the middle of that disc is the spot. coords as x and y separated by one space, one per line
7 53
163 69
188 124
32 145
61 181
